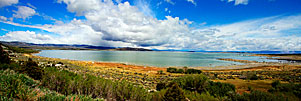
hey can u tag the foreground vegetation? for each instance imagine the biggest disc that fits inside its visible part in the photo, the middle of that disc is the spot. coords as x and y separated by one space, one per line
27 80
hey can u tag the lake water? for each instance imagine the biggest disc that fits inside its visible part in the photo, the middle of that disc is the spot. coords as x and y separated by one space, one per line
152 58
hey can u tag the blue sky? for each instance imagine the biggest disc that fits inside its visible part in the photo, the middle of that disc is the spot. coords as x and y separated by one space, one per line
158 24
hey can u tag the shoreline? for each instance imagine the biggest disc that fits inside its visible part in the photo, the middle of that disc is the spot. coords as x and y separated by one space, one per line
247 64
149 76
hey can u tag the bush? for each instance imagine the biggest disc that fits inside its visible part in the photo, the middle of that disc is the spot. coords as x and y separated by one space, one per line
219 89
185 70
160 85
174 93
15 85
180 71
288 88
4 58
193 71
252 76
195 96
160 72
194 82
275 83
67 83
201 84
171 70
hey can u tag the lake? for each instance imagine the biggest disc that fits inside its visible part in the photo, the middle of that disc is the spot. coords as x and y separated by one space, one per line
153 58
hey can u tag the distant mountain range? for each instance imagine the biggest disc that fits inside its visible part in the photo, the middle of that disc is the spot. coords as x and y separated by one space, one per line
91 47
69 47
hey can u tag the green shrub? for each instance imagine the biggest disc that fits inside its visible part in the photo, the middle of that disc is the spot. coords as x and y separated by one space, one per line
195 96
160 85
287 88
180 71
174 93
67 83
194 82
252 76
185 70
193 71
219 89
4 58
160 72
32 69
171 70
14 85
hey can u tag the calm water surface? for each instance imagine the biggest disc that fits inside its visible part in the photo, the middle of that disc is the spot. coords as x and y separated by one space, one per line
152 58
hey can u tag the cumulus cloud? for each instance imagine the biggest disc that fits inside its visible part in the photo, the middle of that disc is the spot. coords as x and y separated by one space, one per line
24 12
4 3
26 36
82 6
238 2
108 24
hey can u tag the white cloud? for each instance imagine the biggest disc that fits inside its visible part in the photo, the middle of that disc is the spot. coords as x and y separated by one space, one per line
238 2
26 36
144 7
30 5
125 25
4 29
258 34
192 1
3 18
4 3
24 12
82 6
170 2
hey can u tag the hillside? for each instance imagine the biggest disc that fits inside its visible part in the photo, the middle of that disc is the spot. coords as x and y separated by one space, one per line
68 47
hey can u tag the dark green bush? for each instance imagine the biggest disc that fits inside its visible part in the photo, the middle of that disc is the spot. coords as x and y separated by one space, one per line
252 76
202 84
294 89
219 89
4 58
194 82
193 71
171 70
185 70
180 71
160 85
174 93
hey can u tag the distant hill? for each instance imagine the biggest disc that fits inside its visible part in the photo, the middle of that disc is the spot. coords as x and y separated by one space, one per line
68 47
131 49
